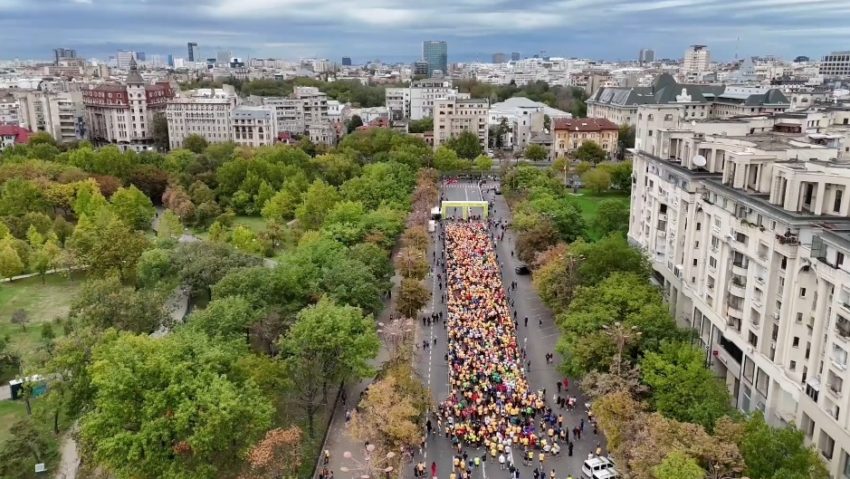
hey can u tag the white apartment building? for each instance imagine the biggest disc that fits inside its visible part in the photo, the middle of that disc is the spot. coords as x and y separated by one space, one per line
61 114
524 118
397 101
836 65
254 126
205 112
748 231
455 116
425 93
9 109
123 114
304 110
695 63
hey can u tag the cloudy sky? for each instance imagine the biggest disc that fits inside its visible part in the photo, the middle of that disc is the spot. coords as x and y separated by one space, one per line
392 30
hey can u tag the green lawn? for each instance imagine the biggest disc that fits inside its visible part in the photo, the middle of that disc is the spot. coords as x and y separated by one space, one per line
43 302
588 202
10 411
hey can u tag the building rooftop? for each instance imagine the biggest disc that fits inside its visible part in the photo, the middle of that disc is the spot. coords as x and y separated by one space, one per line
21 135
584 124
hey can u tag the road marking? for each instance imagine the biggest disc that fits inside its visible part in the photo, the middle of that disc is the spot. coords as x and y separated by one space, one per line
484 467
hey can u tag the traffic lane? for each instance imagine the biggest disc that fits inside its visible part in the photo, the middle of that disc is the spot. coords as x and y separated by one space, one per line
542 339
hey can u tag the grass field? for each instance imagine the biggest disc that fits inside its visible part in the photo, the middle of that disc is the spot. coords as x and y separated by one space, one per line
10 411
43 302
588 202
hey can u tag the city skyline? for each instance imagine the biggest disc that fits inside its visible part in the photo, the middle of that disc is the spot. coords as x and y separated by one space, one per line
604 29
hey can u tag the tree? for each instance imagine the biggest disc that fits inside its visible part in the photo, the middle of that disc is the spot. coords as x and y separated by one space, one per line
446 159
354 123
160 132
466 145
597 180
202 264
412 296
10 262
609 255
105 243
318 201
88 198
777 453
625 139
420 126
678 465
556 276
28 446
133 207
156 268
387 417
280 452
169 227
592 152
199 415
682 387
21 318
411 263
195 143
336 168
45 257
328 344
483 163
224 318
106 303
612 217
536 239
535 152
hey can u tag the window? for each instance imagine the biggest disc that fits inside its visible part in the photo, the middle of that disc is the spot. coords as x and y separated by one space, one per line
802 292
836 204
753 339
826 445
793 366
839 258
712 262
796 342
799 317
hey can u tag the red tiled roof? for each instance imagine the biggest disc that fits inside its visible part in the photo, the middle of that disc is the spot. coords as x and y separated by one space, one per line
22 135
584 124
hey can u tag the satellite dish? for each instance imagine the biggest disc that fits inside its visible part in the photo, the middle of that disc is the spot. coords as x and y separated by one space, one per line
699 161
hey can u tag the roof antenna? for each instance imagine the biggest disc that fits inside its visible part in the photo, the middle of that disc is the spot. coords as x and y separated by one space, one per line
737 42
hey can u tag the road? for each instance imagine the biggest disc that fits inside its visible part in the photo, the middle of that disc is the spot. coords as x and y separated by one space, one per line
540 337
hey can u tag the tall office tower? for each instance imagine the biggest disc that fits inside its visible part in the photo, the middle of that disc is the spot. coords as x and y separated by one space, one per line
647 55
500 58
124 58
695 63
346 61
64 54
194 52
514 56
223 57
435 53
140 56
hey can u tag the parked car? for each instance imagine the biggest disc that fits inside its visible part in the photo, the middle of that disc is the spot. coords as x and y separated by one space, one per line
592 467
522 269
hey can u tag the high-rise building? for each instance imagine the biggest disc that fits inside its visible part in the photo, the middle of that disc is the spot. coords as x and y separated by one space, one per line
346 61
500 58
171 60
194 52
205 112
514 56
223 57
58 113
140 56
64 54
695 63
646 56
455 116
420 68
745 225
836 65
124 58
435 52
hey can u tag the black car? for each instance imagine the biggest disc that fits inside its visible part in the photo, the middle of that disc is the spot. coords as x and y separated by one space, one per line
522 269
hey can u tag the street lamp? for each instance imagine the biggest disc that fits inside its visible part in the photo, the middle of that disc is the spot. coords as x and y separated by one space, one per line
367 467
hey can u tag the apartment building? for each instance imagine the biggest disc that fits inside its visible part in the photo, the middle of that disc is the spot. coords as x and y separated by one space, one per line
205 112
254 126
305 110
123 114
61 114
695 63
9 109
397 101
570 134
455 116
425 93
835 65
747 228
620 105
524 118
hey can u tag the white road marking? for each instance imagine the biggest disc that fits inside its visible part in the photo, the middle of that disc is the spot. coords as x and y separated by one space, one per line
484 468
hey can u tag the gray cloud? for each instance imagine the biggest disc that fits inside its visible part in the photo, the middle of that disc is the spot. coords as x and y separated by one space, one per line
394 29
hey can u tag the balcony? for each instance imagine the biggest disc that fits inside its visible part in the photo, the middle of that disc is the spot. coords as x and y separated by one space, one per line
834 390
842 329
737 289
740 269
735 312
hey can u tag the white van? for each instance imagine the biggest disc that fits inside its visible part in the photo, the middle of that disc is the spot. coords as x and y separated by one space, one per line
591 467
609 473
